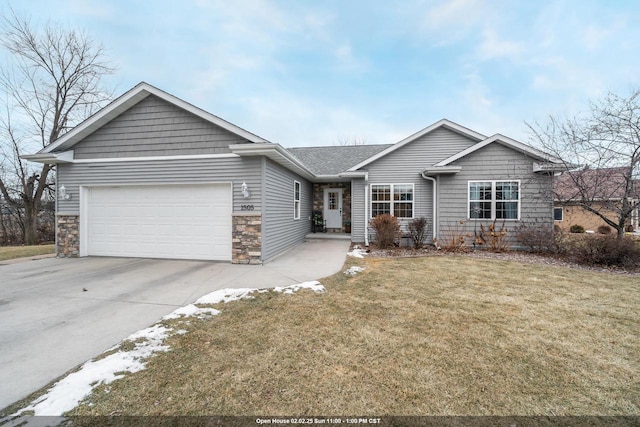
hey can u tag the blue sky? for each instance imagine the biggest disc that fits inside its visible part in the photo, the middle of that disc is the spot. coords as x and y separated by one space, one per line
322 72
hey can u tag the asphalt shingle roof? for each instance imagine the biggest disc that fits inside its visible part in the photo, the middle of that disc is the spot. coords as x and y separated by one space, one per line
333 160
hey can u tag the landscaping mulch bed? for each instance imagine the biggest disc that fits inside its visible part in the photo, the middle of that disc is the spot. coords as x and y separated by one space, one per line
519 256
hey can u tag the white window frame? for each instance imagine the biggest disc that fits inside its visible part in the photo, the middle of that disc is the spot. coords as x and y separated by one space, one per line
297 195
493 199
561 214
392 202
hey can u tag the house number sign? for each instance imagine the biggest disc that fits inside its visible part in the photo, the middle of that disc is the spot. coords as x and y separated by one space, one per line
247 207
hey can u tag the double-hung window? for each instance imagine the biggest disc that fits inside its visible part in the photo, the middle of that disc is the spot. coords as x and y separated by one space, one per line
494 200
296 200
393 199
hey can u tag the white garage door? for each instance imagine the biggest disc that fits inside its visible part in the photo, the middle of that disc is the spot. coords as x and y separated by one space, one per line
159 221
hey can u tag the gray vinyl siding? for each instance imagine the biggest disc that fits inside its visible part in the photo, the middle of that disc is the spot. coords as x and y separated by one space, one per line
357 210
405 165
495 162
193 171
154 127
279 230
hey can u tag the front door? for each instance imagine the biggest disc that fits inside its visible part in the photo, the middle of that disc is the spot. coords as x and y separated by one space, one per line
333 207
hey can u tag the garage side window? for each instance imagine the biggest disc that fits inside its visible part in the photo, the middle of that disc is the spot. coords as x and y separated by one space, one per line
296 200
558 214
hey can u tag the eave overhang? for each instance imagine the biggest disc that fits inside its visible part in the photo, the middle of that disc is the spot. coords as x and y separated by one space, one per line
276 153
50 158
441 170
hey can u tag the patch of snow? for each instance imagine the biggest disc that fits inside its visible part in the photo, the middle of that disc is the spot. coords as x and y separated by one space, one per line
192 310
315 286
226 295
69 391
357 252
352 271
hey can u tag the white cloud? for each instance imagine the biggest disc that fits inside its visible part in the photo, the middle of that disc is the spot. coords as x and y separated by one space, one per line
494 47
295 121
451 20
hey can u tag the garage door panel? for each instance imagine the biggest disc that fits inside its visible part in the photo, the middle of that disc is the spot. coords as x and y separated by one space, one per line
168 221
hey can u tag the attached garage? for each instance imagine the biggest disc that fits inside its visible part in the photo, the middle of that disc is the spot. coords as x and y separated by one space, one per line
157 221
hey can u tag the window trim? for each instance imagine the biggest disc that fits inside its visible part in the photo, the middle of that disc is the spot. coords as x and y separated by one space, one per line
493 199
392 201
561 213
297 196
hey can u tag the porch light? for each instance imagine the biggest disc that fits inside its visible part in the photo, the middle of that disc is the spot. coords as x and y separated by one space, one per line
62 193
245 190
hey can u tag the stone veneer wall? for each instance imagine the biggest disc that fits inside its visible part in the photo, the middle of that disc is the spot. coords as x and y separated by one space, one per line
68 235
318 199
247 238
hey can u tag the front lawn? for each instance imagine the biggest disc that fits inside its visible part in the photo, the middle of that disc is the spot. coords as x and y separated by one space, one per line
12 252
445 335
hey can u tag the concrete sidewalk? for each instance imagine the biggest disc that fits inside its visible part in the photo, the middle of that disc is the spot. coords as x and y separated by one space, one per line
57 313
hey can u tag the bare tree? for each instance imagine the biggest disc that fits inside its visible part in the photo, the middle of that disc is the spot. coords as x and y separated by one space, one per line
53 82
352 140
605 142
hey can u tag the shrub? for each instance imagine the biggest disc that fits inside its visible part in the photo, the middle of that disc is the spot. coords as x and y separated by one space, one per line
604 250
540 238
418 231
453 236
604 229
576 229
387 230
497 238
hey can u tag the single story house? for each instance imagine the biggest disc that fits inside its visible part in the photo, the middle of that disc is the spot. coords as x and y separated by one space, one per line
151 175
602 190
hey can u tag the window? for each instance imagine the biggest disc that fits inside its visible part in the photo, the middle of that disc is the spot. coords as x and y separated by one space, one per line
296 200
393 199
558 214
494 199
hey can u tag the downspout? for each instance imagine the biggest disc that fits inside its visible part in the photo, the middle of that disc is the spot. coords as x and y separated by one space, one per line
434 202
55 214
366 209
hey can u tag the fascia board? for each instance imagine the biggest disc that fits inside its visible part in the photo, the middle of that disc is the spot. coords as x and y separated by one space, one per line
276 153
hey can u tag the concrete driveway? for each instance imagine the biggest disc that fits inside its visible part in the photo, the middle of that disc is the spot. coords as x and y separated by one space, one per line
57 313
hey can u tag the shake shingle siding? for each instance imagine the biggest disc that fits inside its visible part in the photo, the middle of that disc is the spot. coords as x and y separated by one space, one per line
280 231
496 162
193 171
154 127
404 166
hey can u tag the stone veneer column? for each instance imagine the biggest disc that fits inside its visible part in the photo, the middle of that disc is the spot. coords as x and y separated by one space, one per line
247 238
68 235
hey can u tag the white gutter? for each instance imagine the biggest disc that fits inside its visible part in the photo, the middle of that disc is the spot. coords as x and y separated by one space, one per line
366 210
434 202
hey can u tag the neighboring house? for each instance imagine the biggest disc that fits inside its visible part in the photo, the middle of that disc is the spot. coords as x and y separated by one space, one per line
602 190
150 175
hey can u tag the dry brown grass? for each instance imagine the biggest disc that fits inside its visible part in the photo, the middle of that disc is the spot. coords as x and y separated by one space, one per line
422 336
12 252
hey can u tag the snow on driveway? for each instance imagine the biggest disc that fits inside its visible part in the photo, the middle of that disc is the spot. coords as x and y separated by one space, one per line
67 393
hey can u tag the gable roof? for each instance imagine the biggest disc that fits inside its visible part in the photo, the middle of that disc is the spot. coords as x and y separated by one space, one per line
126 101
333 160
506 141
443 123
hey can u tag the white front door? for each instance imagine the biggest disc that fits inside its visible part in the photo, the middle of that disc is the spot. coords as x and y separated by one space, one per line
333 207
